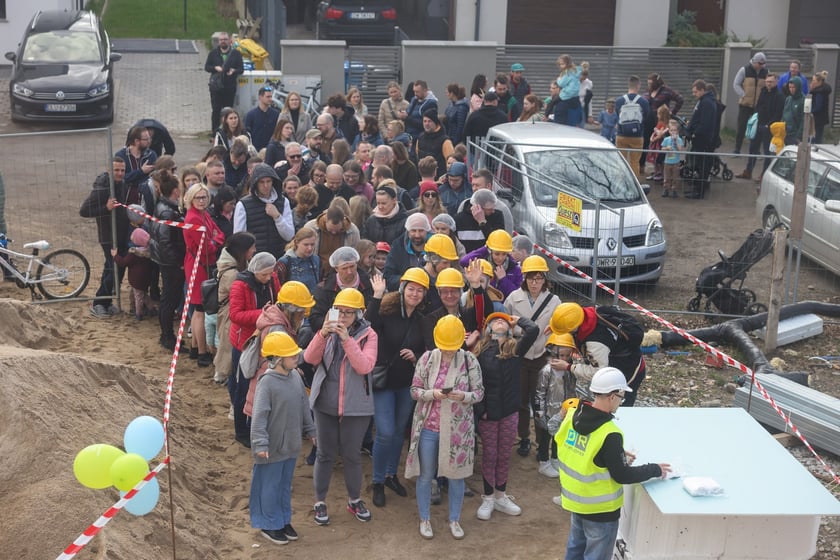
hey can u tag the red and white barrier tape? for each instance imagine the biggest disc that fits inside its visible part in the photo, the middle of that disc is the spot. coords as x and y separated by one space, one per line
97 525
714 351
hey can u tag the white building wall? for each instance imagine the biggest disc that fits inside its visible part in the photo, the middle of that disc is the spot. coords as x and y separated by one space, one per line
18 15
761 19
641 23
492 24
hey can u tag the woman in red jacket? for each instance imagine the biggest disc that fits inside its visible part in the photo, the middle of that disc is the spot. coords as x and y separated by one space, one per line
197 200
252 290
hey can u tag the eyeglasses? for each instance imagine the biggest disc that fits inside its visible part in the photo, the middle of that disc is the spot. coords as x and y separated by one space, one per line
202 197
347 312
294 156
620 396
536 278
430 194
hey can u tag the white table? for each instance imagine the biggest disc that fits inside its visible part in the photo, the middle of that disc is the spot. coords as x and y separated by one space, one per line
771 508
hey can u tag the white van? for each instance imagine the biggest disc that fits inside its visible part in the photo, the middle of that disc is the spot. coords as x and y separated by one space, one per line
534 163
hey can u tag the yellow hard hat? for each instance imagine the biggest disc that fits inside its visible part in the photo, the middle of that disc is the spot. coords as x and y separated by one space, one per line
534 263
500 241
570 403
566 318
279 344
350 297
296 293
486 267
449 278
564 340
441 245
449 333
416 275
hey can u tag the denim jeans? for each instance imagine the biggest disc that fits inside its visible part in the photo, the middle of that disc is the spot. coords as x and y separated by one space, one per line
392 411
428 452
591 540
270 503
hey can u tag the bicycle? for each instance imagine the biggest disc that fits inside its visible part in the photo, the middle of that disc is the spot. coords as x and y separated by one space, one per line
61 274
309 104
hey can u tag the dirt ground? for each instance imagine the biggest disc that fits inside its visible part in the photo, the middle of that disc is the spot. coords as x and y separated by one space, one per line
69 381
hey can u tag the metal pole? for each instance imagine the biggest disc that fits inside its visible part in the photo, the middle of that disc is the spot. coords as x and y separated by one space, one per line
618 256
776 278
594 291
185 16
113 218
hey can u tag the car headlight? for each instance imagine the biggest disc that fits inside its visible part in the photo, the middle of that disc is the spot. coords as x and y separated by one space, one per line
99 90
555 236
22 90
655 233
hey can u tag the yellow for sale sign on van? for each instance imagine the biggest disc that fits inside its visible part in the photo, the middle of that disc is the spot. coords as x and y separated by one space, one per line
569 211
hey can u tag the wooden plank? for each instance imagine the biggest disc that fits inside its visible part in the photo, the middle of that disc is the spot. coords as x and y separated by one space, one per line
787 440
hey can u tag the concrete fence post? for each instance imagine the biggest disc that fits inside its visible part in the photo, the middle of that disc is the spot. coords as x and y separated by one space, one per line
316 57
827 57
735 56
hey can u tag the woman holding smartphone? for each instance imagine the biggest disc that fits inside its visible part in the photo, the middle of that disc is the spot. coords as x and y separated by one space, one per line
447 382
343 353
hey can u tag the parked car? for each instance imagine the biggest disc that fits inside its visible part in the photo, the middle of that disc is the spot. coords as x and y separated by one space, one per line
368 21
535 164
63 69
821 233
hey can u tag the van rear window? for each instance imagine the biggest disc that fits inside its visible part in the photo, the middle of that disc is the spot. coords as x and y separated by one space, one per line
589 174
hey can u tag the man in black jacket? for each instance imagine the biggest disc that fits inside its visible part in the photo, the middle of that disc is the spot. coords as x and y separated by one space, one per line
701 130
488 116
226 62
344 117
476 221
769 107
100 205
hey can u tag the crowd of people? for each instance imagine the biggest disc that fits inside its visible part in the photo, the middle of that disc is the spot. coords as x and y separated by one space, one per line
370 288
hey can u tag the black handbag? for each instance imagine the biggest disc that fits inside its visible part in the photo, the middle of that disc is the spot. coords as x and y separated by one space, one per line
210 295
217 82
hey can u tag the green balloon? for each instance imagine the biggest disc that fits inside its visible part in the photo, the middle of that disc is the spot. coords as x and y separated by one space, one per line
92 465
128 470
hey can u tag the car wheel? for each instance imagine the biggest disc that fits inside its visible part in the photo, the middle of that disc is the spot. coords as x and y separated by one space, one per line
771 220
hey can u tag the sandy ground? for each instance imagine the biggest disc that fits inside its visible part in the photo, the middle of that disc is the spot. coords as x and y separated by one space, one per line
70 381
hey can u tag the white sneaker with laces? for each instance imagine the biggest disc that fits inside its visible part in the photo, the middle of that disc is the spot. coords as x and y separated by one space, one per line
555 463
505 505
546 469
426 530
456 530
485 510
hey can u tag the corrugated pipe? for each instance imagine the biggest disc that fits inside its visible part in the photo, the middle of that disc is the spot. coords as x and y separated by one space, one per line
737 331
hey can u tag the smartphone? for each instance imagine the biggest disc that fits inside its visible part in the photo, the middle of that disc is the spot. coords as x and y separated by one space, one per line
446 390
332 314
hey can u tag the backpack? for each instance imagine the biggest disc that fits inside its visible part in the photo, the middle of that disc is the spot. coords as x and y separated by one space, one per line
630 116
250 359
630 331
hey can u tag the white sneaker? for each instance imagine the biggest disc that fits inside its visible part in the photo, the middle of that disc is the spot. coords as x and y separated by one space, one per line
546 469
426 530
555 463
485 510
230 413
505 505
558 501
456 530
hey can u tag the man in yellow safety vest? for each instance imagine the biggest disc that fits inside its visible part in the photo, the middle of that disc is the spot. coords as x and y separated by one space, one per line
593 467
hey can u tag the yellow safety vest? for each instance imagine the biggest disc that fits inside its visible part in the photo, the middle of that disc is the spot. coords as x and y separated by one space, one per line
586 487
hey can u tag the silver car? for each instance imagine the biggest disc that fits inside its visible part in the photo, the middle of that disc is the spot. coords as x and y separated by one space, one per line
535 165
821 234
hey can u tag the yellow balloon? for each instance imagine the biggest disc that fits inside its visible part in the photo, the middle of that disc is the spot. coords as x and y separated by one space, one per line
92 465
128 470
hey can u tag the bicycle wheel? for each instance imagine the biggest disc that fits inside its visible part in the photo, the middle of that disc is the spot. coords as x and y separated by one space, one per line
62 274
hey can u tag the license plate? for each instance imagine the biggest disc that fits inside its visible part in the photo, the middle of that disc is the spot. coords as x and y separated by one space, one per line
60 107
611 262
362 15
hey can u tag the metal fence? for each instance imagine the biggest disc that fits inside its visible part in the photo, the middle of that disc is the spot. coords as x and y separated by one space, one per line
47 176
370 69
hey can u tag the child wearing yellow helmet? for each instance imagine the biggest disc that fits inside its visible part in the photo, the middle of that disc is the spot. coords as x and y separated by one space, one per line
506 275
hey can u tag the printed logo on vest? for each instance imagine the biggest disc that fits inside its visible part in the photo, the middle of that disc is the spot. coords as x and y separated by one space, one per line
575 440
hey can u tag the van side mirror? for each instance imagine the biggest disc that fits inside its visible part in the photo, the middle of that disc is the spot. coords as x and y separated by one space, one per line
646 189
10 56
115 56
506 196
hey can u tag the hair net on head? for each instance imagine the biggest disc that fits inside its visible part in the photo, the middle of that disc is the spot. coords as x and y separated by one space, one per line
344 255
483 197
417 221
261 261
446 220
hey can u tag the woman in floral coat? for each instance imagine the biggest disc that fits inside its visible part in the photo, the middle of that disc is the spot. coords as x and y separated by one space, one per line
447 382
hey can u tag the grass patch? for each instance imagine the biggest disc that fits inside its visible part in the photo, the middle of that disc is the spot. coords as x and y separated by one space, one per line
163 19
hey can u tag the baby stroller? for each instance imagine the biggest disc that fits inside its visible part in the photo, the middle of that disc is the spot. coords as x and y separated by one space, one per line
689 167
716 281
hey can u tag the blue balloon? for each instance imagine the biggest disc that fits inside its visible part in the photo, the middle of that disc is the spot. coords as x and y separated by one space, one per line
145 500
144 436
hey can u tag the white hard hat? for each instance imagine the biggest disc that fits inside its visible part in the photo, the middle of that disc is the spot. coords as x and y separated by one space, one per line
608 379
